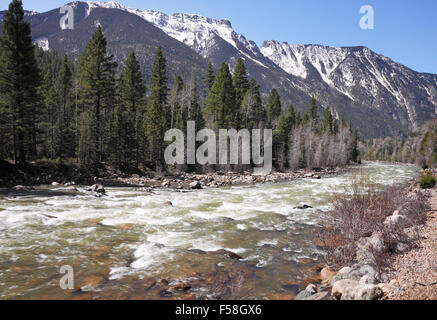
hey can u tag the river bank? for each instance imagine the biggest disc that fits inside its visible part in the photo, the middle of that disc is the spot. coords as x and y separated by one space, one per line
62 176
396 261
414 273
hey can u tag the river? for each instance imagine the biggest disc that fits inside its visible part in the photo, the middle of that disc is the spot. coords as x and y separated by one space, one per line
120 245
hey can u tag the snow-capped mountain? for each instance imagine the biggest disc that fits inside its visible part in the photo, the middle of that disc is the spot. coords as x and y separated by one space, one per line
380 97
363 76
193 30
355 72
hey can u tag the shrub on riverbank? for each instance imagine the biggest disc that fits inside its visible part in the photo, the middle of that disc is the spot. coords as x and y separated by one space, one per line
366 224
428 181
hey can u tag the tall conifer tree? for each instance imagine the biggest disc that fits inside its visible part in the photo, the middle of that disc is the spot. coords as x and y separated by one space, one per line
157 116
209 78
19 80
132 92
273 108
220 108
96 73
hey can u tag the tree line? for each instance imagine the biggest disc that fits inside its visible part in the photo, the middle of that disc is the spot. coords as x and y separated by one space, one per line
58 109
419 148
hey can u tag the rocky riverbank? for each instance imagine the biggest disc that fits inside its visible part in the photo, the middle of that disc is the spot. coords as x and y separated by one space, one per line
395 269
414 273
63 176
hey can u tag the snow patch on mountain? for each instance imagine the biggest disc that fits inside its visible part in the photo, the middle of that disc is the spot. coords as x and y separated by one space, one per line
43 43
358 73
191 29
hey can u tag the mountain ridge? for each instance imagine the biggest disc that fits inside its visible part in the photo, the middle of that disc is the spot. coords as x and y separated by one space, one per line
354 87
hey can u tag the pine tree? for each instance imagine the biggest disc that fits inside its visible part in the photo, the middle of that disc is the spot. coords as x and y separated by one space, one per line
119 137
96 73
312 112
194 109
178 112
281 134
19 80
49 119
252 110
209 78
86 147
241 84
65 130
132 92
157 112
220 108
273 108
328 121
355 153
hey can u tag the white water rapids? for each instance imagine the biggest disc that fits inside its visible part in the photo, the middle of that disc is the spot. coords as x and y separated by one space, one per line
134 233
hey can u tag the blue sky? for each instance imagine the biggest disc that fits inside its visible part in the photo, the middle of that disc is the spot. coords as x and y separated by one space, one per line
405 31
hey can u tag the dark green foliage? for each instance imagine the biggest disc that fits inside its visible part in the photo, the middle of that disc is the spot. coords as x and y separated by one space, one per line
241 85
355 153
312 114
427 181
209 78
129 114
273 109
220 108
281 135
194 109
126 124
328 124
252 110
178 111
157 115
96 75
64 141
19 80
86 148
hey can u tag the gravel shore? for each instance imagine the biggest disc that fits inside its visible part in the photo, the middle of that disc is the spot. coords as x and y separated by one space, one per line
414 273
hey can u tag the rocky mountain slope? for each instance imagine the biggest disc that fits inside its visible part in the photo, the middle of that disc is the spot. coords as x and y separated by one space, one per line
362 75
124 32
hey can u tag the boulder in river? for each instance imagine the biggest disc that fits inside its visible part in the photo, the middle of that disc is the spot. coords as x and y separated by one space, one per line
229 254
97 188
195 185
303 207
23 188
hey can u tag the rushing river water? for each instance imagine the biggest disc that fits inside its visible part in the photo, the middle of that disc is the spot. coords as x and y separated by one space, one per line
118 244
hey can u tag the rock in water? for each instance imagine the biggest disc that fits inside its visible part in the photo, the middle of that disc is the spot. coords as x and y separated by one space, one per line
97 188
229 254
23 188
101 190
195 185
304 207
309 291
